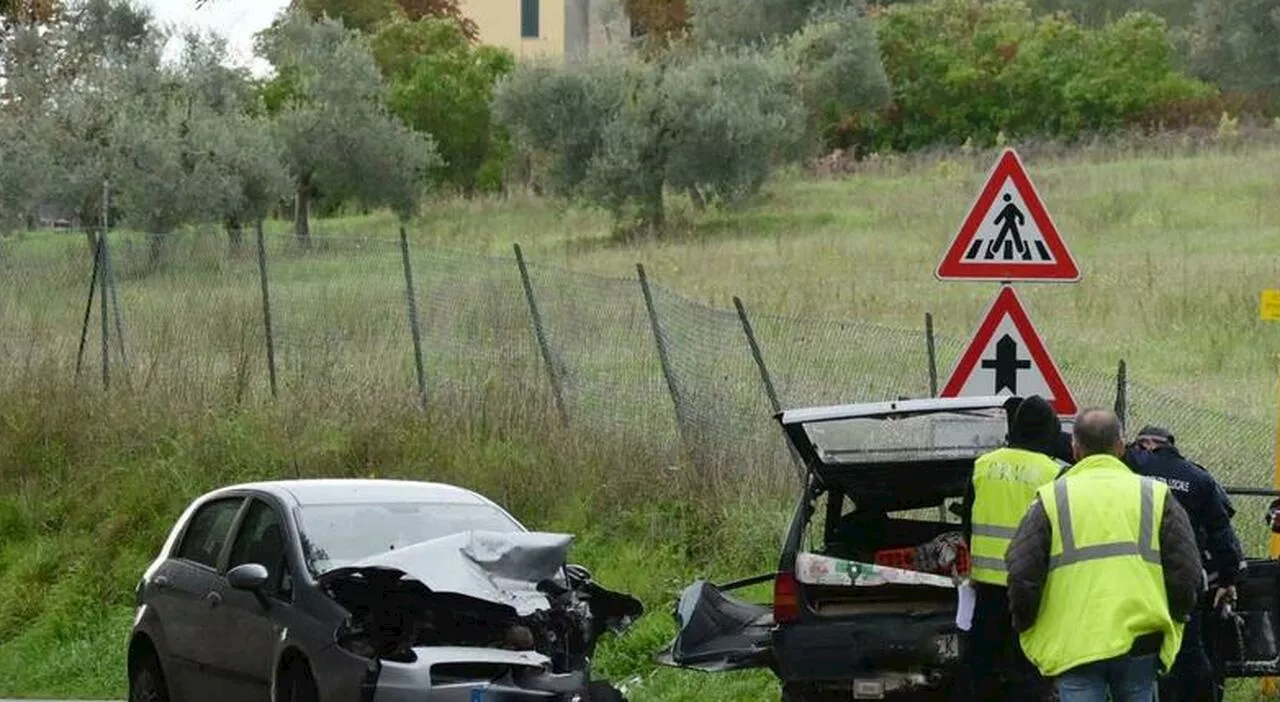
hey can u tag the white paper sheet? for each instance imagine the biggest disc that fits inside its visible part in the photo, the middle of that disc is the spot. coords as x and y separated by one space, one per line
964 606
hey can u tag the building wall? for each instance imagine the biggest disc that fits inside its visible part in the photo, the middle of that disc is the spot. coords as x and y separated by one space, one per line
568 29
499 23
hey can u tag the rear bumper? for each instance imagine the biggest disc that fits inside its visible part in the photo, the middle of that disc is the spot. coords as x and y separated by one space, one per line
868 646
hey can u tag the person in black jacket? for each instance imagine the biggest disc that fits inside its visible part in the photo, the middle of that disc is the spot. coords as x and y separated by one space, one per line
1154 454
994 667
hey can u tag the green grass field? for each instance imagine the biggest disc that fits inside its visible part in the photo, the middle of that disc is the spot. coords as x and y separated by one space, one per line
1175 251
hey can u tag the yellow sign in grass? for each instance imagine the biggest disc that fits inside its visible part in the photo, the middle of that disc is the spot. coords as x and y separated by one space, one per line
1269 309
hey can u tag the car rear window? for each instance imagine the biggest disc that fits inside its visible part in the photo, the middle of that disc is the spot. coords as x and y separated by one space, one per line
208 531
933 436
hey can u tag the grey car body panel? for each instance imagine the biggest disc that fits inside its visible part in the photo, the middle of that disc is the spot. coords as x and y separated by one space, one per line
304 623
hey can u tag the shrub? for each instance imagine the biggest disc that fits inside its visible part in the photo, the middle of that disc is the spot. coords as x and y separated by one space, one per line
442 85
969 68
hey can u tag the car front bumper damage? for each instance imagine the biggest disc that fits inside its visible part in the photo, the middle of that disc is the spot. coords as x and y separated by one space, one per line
477 617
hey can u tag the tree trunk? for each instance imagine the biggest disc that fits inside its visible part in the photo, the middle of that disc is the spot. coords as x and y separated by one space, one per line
235 235
301 208
655 211
157 250
699 202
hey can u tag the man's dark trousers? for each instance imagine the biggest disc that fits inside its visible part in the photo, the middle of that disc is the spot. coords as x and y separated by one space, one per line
1191 678
995 667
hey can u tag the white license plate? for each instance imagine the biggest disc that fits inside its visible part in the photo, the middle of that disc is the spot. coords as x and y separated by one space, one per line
948 646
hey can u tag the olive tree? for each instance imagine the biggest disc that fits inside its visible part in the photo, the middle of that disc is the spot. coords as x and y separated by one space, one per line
26 177
231 127
78 79
624 131
338 138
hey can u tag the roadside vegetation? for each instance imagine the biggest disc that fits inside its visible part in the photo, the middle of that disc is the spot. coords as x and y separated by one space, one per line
381 113
92 479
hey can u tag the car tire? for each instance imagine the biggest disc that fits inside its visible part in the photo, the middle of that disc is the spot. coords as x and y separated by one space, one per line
146 681
298 684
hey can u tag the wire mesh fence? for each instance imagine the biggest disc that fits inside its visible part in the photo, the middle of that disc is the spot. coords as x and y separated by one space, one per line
614 358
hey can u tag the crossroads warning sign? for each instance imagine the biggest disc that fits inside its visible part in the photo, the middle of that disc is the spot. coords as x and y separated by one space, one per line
1008 234
1007 357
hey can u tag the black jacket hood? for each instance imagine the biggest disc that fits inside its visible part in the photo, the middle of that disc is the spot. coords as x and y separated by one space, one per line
1035 427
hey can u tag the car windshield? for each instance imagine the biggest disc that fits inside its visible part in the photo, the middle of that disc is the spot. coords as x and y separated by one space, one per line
935 435
335 535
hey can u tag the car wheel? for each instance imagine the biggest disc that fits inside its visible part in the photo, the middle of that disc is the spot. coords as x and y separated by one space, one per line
299 686
146 682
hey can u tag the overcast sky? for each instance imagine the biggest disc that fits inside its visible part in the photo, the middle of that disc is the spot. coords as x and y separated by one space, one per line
237 20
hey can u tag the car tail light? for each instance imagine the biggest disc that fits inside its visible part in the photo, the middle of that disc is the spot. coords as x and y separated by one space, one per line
786 598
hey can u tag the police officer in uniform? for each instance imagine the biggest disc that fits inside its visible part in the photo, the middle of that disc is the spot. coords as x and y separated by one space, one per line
1003 486
1154 454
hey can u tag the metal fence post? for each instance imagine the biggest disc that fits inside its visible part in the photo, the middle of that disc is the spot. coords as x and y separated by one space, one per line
415 329
765 378
109 271
1122 392
266 309
88 308
661 343
541 336
933 354
102 305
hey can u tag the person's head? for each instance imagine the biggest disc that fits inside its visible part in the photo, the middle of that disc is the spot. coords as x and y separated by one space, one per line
1035 425
1097 431
1151 438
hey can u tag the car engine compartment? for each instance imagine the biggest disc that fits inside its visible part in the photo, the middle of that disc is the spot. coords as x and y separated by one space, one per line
511 592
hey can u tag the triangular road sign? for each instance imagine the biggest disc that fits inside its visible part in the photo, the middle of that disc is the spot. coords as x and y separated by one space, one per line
1008 235
1007 357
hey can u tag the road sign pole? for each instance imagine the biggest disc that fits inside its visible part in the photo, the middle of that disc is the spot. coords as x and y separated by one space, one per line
1270 686
1275 538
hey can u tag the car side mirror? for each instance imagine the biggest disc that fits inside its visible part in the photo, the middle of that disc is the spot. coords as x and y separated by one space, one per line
248 576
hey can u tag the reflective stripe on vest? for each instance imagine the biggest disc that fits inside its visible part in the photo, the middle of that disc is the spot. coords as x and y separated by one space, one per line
1105 585
1146 538
1004 485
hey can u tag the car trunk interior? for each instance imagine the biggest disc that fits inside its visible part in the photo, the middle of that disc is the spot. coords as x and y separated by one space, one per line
883 516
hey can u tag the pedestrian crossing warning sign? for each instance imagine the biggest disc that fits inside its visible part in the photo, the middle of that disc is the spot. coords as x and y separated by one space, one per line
1007 357
1008 234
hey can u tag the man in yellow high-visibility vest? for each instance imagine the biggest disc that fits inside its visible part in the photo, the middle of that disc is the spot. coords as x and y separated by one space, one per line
1004 484
1103 572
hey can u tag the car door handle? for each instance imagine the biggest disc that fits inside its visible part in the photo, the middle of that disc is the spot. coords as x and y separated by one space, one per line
213 598
161 582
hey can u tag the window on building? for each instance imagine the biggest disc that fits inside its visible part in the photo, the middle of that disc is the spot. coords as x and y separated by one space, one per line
529 19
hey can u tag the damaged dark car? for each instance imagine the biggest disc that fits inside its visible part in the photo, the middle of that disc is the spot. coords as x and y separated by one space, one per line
866 590
368 590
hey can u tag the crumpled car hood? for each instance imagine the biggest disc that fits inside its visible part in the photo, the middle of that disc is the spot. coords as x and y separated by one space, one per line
499 567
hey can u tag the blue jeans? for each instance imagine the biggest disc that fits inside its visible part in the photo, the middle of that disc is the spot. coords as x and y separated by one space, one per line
1129 678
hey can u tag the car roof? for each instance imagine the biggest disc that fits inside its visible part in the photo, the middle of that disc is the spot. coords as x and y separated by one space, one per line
324 491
